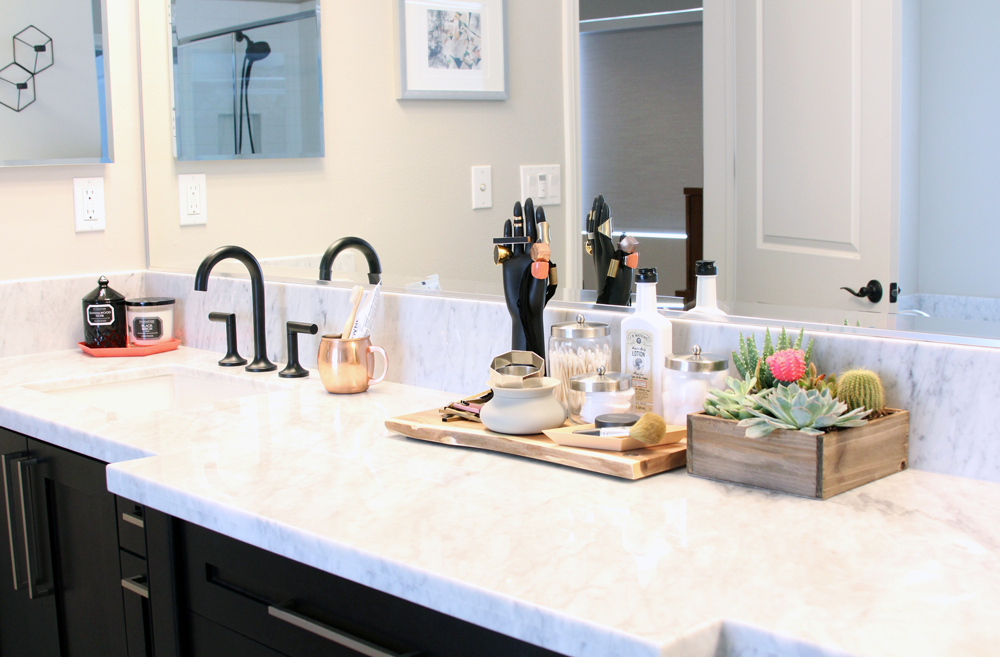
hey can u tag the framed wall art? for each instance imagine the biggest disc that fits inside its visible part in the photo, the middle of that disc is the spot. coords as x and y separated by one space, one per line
451 49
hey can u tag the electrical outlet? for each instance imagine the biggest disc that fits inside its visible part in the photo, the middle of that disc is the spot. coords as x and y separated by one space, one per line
192 199
88 204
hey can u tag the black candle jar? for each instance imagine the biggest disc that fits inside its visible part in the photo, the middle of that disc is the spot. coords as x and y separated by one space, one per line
104 320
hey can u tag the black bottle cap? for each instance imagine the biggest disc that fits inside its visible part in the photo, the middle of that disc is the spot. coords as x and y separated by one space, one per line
647 275
706 268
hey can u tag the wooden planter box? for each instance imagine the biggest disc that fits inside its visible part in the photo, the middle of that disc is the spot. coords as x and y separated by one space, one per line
797 463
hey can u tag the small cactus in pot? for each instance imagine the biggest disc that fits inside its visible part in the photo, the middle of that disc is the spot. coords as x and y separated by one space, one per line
813 380
788 365
861 389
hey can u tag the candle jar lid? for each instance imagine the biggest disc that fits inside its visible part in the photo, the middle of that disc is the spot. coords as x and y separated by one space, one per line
580 328
697 362
144 302
601 381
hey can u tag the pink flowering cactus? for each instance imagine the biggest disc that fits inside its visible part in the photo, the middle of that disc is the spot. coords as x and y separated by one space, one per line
787 365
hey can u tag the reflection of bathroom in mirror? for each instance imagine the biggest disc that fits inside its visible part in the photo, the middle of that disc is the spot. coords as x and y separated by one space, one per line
54 83
247 79
771 133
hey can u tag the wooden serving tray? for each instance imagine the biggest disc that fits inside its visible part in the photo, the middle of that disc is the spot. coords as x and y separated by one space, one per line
634 464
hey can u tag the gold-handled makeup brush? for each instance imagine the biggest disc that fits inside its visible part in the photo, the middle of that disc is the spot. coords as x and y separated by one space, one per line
650 429
355 304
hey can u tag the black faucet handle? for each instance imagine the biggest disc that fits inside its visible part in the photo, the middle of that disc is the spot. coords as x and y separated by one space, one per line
233 357
293 370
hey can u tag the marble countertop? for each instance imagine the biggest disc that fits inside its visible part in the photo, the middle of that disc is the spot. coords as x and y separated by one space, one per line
579 563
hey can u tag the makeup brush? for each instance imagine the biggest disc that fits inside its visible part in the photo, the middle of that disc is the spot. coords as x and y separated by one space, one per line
650 429
355 304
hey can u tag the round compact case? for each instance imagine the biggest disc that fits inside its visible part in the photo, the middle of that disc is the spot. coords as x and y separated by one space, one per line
150 320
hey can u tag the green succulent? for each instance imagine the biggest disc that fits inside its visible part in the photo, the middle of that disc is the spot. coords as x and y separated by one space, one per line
811 380
792 408
750 363
862 389
735 402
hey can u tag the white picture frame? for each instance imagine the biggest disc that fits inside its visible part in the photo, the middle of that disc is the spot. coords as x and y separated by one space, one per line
452 50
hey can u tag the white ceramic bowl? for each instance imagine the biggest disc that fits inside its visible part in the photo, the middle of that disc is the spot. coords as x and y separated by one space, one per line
524 411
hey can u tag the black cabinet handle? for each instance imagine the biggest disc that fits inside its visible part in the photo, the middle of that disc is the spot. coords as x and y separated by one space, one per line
872 291
28 519
133 519
136 585
8 491
339 637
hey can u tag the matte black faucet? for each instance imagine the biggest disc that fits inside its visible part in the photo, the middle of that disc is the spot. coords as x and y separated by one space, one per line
374 266
260 362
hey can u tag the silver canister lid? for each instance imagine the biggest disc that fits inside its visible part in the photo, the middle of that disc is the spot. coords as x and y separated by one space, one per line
697 362
580 328
601 381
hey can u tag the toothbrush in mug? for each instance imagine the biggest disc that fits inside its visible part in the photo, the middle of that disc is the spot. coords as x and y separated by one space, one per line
355 304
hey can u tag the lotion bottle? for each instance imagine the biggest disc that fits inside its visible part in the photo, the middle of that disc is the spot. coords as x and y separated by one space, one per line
705 300
646 341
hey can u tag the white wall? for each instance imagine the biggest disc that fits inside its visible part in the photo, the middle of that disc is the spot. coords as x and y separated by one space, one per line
36 203
960 147
396 172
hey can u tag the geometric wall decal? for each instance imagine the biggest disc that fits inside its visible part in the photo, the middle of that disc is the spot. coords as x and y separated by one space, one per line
32 55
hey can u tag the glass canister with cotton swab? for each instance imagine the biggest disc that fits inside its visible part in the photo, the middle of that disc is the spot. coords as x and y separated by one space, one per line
575 348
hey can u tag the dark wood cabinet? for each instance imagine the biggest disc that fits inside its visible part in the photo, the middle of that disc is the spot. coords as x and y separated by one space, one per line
62 542
234 592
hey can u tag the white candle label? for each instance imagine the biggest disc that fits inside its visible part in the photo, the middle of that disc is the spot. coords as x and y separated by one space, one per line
147 328
100 315
639 354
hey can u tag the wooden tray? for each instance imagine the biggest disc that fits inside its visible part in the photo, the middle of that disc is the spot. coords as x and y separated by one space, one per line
636 464
118 352
797 463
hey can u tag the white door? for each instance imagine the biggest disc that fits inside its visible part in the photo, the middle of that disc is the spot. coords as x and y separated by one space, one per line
816 115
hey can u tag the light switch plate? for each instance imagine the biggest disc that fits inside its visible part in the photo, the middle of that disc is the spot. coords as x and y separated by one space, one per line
88 204
192 198
542 184
482 187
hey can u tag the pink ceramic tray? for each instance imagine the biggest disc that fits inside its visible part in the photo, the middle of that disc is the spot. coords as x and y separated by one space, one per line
118 352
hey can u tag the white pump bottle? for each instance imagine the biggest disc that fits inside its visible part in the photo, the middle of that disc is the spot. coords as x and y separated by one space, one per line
646 342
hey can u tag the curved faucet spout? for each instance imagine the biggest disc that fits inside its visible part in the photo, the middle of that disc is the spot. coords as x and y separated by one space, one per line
260 362
366 249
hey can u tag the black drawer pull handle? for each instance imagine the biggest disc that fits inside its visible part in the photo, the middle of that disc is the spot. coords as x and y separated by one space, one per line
30 537
133 519
8 491
349 641
136 585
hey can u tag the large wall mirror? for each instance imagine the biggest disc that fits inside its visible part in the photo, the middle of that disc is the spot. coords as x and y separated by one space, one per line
806 150
247 79
54 83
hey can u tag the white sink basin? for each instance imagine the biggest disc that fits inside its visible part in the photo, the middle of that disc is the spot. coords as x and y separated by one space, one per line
150 389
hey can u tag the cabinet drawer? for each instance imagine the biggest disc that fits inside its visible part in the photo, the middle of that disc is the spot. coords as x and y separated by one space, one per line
210 639
299 611
131 526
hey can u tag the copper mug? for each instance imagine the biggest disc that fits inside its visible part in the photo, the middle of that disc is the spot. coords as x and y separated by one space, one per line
347 366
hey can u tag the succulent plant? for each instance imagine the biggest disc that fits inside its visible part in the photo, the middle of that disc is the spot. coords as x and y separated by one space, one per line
792 408
787 365
735 402
861 389
812 380
750 363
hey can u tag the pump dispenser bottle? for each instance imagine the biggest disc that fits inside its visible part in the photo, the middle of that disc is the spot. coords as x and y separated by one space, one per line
705 300
646 342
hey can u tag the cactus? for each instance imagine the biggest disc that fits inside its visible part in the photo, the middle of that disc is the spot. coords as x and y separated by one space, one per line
735 402
787 365
750 363
811 380
809 411
861 389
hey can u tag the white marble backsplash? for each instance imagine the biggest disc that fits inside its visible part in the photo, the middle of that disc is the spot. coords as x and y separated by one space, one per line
46 314
446 343
953 306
